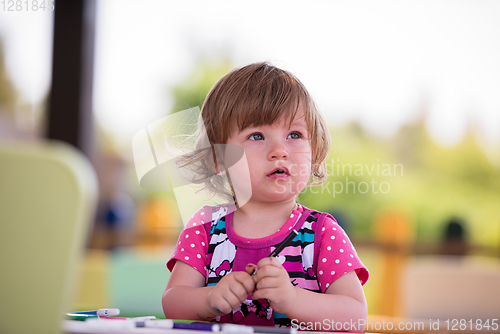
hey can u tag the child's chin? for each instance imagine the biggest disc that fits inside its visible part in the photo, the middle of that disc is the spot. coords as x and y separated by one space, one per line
287 187
280 197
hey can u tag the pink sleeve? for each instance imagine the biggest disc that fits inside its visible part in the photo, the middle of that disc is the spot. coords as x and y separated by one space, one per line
192 246
337 256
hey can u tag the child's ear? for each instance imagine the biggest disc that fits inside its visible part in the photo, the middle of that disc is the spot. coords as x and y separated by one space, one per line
218 167
224 156
221 172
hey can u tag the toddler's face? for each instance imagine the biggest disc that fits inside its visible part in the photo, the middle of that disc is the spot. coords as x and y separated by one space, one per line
279 159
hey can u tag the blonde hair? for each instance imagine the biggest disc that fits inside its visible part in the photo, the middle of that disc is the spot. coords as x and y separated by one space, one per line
254 95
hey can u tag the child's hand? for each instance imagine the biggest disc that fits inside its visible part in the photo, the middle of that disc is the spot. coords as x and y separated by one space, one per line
232 290
273 283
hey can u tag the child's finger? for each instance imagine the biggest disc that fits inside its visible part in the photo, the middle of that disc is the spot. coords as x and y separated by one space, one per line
251 269
220 305
233 301
269 261
268 294
246 281
269 282
240 290
267 271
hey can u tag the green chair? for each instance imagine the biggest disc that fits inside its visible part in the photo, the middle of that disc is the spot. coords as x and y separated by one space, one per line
47 198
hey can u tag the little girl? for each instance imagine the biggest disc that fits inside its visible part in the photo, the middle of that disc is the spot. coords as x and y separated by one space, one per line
221 269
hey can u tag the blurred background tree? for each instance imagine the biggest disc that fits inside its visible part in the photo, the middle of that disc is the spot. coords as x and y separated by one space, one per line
434 182
191 91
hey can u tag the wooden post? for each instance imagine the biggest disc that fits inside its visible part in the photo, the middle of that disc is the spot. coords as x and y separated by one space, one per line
394 233
70 117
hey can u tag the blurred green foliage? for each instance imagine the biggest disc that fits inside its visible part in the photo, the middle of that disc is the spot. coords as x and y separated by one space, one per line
428 182
191 92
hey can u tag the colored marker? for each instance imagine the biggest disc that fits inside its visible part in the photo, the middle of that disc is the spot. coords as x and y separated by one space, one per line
169 324
236 329
285 243
79 317
199 326
102 312
271 329
149 317
281 246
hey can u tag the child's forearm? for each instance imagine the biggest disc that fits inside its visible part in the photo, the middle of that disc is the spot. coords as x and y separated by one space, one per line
185 302
328 310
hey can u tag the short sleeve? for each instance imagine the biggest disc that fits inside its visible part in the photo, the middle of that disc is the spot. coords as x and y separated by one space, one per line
337 256
192 246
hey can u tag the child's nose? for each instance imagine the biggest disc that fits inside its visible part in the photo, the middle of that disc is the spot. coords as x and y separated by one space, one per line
277 152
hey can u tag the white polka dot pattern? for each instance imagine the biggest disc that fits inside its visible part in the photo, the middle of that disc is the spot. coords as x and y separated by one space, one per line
336 253
193 240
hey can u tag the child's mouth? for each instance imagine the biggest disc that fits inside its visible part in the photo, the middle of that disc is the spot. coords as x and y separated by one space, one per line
278 173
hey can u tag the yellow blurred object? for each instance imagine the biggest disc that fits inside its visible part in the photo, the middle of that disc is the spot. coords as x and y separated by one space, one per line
48 192
394 229
157 223
93 290
394 233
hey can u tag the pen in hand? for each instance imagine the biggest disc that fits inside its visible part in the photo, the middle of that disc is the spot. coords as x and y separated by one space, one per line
281 246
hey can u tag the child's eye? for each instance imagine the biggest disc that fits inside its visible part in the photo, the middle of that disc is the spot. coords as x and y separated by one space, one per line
256 136
295 135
